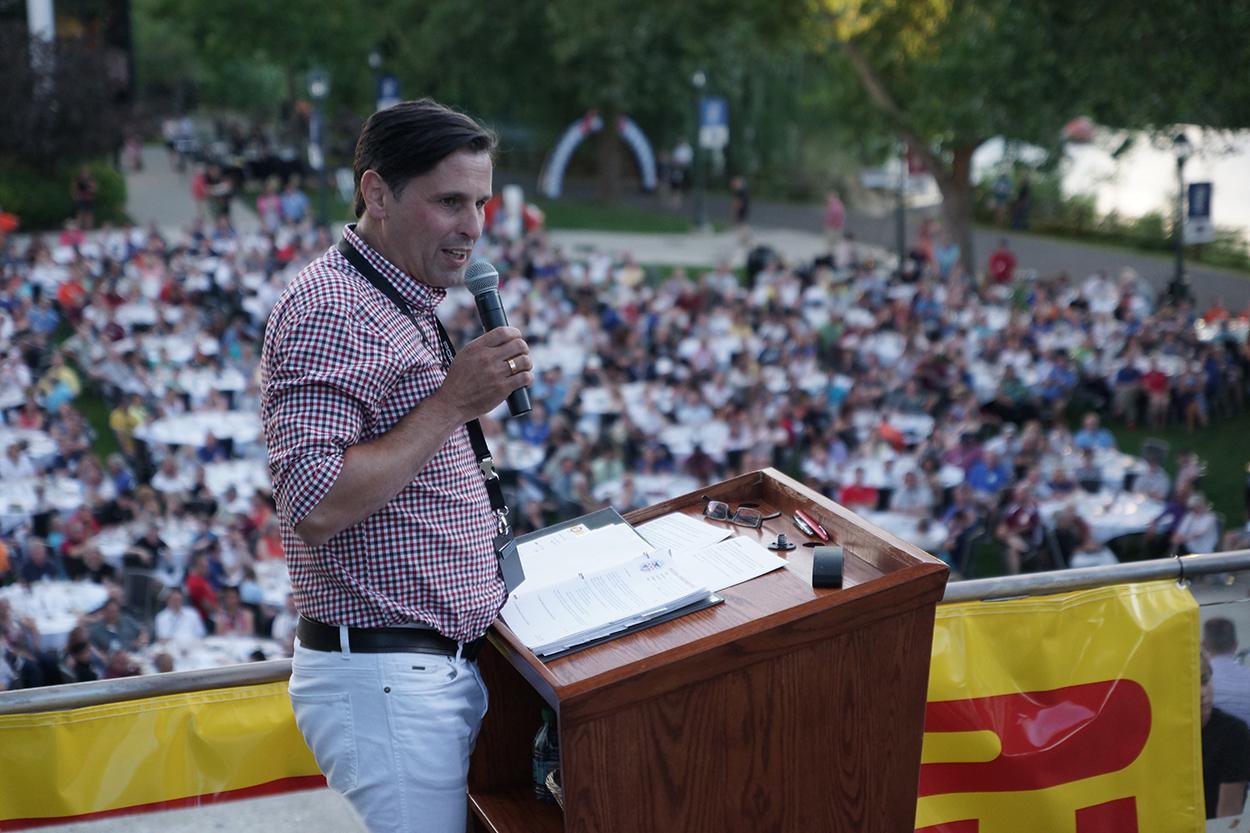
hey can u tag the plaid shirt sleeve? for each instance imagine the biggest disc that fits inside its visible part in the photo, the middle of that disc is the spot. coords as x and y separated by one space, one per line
325 378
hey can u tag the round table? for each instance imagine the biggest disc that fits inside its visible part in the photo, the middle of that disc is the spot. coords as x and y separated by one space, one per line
199 382
246 476
274 581
209 652
55 607
1108 514
39 444
648 488
877 476
18 500
191 428
925 533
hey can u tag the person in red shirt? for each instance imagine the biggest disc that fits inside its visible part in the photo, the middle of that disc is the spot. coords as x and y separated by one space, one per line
858 495
1002 265
1158 398
200 590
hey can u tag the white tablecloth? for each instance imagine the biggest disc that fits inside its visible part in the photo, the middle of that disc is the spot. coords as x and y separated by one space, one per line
648 488
18 499
1108 514
55 607
209 652
246 476
39 444
909 528
191 428
879 475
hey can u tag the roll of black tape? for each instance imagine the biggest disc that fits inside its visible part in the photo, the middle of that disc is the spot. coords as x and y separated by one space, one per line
827 567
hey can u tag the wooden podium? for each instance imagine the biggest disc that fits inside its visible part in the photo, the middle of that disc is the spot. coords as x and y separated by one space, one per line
783 709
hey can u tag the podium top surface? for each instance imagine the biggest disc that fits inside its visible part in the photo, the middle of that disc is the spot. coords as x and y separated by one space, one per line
882 576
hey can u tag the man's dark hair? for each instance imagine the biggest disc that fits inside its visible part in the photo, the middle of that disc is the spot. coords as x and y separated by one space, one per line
1219 635
410 139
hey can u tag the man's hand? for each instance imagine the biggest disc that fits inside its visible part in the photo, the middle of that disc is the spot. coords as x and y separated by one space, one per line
480 376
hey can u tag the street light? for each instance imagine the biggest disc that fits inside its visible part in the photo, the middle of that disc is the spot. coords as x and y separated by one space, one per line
699 80
318 89
1183 149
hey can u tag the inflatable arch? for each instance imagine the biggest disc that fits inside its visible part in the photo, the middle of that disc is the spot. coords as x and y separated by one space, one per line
551 181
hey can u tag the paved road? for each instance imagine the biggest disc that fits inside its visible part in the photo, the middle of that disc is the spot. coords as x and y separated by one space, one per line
158 194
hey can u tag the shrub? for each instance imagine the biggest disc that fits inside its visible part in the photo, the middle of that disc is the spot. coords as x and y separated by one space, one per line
42 201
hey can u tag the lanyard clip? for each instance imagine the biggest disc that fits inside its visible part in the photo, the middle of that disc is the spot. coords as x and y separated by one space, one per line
502 520
487 465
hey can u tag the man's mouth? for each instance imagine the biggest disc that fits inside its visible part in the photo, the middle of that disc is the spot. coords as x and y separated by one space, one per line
458 255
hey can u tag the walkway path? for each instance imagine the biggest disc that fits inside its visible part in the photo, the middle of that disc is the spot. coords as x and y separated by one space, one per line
159 195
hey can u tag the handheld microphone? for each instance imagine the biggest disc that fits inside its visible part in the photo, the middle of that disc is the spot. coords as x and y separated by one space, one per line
483 281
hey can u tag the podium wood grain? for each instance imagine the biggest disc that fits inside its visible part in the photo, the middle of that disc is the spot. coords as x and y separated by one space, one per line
784 709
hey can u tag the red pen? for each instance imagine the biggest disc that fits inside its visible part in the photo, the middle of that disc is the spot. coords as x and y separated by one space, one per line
811 522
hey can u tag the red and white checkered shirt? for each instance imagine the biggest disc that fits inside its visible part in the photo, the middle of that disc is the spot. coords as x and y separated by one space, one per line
340 366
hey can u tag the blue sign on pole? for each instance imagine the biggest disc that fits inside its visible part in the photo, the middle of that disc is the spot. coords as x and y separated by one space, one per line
1198 226
388 91
713 122
1199 200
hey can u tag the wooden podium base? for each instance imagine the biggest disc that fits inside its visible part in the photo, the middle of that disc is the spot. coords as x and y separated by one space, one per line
786 708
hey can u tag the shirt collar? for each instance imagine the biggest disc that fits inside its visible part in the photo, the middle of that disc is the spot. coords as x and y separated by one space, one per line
421 295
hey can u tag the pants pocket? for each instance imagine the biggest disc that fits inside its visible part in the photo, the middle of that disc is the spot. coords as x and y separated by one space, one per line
325 721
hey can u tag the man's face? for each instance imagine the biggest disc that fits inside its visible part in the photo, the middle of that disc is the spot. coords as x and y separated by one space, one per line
430 230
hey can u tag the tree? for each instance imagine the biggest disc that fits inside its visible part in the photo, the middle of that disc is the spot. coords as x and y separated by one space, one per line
947 75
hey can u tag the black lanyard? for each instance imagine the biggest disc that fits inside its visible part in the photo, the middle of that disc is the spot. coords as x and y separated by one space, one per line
476 438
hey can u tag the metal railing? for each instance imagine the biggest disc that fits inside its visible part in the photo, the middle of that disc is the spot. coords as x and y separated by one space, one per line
78 695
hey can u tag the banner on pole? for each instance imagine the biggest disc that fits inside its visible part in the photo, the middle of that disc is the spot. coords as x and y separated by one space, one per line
1075 713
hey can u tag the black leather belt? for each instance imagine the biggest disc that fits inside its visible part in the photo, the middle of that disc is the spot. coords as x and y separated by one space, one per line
322 637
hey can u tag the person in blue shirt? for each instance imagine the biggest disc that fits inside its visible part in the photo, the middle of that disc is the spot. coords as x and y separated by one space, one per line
1092 434
989 475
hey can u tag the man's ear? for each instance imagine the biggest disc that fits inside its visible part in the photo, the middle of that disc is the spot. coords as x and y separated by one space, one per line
376 194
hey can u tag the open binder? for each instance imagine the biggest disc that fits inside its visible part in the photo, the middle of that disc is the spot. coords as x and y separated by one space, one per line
584 599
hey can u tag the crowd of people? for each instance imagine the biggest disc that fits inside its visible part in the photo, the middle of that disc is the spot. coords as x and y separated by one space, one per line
936 401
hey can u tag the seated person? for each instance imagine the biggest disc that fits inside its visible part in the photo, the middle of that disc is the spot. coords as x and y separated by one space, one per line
858 495
232 617
1153 482
1092 435
1088 474
914 497
1020 529
1225 753
1198 531
1158 537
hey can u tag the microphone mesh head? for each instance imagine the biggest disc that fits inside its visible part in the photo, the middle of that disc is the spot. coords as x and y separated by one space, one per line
481 277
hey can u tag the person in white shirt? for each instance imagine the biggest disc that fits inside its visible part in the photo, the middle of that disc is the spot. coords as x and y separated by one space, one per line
176 621
913 497
1230 678
1198 531
16 464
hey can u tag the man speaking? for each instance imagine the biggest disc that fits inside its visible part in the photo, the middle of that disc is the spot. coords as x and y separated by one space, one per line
390 525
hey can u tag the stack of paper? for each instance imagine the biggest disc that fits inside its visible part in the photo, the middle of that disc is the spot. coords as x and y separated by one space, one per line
590 606
583 583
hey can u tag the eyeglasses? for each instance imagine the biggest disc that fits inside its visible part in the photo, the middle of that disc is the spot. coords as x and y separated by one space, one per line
744 515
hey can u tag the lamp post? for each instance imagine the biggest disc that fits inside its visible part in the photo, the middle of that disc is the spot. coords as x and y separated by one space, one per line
318 89
1183 149
699 80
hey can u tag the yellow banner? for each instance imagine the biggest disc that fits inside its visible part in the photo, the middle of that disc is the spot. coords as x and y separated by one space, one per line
1075 713
163 749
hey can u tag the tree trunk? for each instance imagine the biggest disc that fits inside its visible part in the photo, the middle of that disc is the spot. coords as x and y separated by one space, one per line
955 184
609 180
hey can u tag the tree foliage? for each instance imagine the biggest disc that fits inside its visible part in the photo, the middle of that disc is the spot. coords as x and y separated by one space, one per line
946 75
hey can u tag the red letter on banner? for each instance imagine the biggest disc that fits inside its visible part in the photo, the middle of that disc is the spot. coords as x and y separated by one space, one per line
1119 816
1047 738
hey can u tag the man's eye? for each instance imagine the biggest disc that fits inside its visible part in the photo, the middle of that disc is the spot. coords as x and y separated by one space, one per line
449 202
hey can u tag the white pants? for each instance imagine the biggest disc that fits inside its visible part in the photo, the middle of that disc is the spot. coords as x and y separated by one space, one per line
391 732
